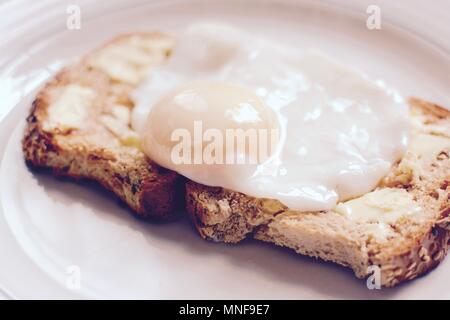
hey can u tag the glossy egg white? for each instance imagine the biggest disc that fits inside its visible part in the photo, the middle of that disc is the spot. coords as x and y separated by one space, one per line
339 131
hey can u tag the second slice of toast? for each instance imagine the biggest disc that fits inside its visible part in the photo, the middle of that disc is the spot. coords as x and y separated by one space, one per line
79 125
403 226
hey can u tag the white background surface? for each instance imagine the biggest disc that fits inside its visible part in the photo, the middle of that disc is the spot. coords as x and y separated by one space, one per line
3 296
55 223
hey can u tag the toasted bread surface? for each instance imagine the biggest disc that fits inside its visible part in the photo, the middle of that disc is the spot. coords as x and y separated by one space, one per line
408 238
79 125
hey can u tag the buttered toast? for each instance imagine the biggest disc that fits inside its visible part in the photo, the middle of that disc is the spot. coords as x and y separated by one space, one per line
403 226
79 125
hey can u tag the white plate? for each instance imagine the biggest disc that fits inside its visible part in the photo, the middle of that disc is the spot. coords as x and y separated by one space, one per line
50 229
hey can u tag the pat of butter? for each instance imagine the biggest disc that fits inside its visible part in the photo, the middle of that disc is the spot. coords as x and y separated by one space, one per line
131 54
161 43
428 146
71 108
384 206
126 61
116 68
121 130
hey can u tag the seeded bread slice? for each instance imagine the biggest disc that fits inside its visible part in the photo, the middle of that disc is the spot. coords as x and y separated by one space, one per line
403 226
79 125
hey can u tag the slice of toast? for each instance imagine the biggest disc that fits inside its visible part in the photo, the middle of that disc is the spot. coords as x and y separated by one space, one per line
403 226
79 125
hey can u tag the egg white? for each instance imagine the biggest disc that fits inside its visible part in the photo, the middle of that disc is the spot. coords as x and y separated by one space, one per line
340 131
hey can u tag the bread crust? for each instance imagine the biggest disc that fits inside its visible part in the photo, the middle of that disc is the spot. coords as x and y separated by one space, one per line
94 152
417 247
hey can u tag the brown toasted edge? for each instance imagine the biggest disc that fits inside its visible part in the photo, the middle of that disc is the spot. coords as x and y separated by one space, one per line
429 108
198 213
230 221
161 198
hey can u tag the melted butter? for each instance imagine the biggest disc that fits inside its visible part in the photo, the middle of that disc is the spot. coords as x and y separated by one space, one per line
70 110
385 205
127 59
381 208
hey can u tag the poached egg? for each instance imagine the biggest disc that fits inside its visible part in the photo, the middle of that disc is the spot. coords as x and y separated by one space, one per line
328 132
